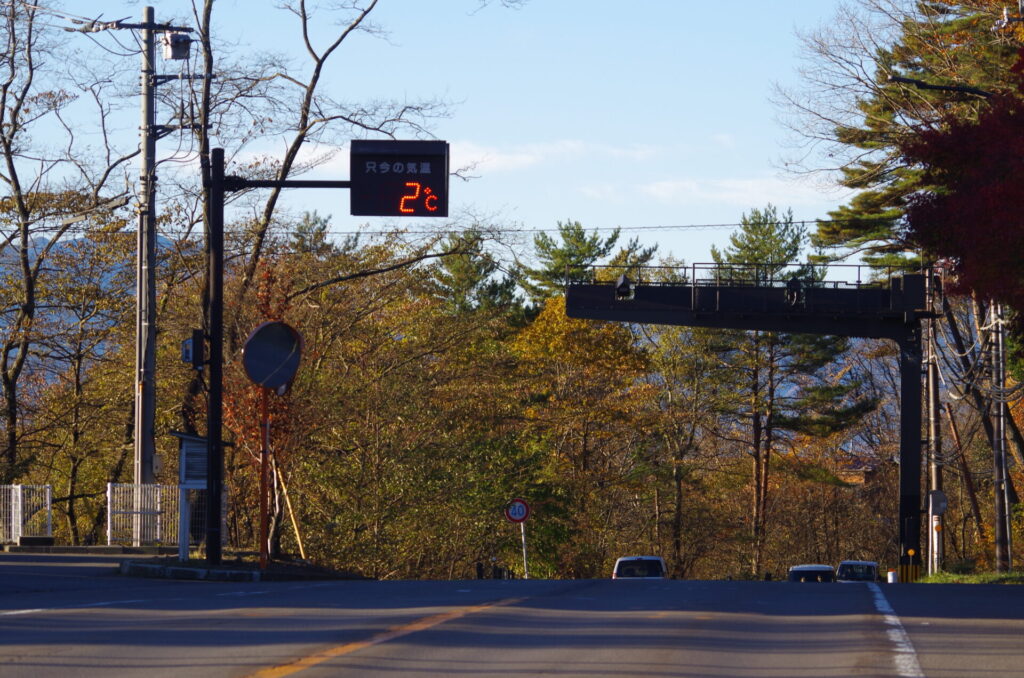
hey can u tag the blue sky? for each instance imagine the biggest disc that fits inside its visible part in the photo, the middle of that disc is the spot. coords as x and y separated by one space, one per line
633 114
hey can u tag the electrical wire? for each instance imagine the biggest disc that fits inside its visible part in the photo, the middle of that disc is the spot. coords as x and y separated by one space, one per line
78 20
128 50
596 229
74 18
522 231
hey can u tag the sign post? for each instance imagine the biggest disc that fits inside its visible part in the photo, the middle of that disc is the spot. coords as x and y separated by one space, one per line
378 188
518 511
271 358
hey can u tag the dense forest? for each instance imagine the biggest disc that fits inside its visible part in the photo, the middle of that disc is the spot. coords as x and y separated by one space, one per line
441 376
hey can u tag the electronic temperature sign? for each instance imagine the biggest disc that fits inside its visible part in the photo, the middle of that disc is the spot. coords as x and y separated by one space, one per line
399 178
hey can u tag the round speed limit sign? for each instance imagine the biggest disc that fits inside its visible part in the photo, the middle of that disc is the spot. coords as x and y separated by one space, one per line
517 511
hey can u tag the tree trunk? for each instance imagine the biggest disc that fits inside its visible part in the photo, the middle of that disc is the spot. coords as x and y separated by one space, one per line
72 513
657 520
677 521
10 472
758 471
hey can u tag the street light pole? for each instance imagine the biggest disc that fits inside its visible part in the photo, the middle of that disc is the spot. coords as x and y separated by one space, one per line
215 331
424 155
218 185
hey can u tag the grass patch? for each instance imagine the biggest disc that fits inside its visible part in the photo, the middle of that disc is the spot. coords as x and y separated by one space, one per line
974 578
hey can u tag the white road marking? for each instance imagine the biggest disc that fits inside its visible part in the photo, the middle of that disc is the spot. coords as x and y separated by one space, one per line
105 603
109 603
907 665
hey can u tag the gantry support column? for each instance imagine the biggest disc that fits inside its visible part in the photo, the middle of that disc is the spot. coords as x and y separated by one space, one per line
910 454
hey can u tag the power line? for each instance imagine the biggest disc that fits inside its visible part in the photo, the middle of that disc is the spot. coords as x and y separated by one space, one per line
555 229
605 229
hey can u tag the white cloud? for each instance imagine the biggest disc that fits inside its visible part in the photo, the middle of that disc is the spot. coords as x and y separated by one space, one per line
636 152
525 156
753 192
328 160
608 193
490 159
675 191
724 140
485 159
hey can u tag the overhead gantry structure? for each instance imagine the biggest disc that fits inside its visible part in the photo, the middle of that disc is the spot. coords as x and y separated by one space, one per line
760 298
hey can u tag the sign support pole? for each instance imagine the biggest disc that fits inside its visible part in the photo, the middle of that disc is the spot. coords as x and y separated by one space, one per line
183 524
264 484
413 199
522 530
215 332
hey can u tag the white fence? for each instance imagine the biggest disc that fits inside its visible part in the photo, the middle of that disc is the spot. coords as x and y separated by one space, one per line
147 515
25 511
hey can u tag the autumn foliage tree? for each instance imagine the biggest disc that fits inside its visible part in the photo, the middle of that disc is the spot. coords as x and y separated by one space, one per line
970 213
585 411
853 111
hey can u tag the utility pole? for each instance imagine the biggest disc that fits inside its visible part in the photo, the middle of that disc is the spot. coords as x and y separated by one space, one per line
146 260
1004 558
936 538
1004 414
145 283
144 382
1001 489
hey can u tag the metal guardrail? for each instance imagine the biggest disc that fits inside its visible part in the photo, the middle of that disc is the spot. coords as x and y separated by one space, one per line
749 275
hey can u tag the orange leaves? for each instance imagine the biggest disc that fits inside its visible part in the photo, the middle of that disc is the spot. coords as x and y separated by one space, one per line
272 291
972 216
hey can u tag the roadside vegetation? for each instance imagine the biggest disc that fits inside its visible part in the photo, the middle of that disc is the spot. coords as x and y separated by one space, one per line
1014 577
441 377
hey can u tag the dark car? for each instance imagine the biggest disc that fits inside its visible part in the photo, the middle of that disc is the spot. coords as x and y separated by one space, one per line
639 567
857 570
822 574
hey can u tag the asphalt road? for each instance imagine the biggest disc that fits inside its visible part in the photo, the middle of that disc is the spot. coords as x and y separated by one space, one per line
74 616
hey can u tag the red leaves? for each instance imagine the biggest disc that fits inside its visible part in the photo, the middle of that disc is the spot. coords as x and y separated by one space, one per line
973 212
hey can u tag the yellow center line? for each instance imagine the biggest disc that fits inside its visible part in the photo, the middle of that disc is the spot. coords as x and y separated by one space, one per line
383 637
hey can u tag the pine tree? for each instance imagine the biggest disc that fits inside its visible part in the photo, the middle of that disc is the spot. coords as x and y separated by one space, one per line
310 235
573 258
564 261
944 44
473 281
779 383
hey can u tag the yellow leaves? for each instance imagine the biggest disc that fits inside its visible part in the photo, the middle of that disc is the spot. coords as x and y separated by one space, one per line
62 203
583 344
